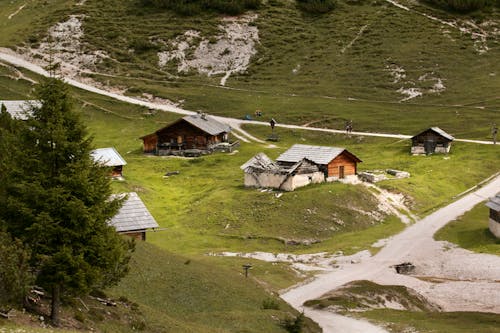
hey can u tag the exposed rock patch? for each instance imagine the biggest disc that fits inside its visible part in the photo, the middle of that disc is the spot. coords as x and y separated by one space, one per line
63 46
229 53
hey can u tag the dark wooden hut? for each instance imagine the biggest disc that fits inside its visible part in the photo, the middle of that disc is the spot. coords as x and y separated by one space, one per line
333 161
432 140
197 131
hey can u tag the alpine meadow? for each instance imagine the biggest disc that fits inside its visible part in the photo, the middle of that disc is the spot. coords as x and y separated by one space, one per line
249 166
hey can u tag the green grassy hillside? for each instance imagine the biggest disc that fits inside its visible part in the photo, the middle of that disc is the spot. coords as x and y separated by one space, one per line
470 231
322 69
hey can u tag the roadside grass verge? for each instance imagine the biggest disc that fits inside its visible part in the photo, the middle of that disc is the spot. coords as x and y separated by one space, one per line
470 231
430 322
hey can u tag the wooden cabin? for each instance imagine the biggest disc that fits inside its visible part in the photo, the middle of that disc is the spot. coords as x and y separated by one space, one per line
20 109
262 172
494 221
334 162
432 140
133 219
197 131
109 157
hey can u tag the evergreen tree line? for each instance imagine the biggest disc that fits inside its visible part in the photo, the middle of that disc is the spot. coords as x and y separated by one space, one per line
192 7
465 6
54 206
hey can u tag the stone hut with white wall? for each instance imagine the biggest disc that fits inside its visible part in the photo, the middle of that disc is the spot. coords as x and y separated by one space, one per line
262 172
494 205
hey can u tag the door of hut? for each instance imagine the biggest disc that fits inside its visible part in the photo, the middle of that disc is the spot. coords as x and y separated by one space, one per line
341 171
429 145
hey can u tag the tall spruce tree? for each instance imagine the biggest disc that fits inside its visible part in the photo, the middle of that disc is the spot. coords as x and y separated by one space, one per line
59 203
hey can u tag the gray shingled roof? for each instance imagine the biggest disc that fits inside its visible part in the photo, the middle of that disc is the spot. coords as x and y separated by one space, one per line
260 161
494 202
133 215
207 124
18 109
108 157
317 154
438 131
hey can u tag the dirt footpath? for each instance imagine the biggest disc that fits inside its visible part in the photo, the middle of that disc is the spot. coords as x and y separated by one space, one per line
455 279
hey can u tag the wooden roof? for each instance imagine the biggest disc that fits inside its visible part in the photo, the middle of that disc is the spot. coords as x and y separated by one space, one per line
202 121
108 157
494 202
438 131
318 154
133 215
19 109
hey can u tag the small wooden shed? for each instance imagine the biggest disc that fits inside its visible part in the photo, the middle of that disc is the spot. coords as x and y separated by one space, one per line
198 131
432 140
334 162
20 109
133 218
109 157
494 205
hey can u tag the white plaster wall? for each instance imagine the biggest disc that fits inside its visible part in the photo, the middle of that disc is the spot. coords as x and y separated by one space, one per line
418 150
443 150
263 180
495 228
275 181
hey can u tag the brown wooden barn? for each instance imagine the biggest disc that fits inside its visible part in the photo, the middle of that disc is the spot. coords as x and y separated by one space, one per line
494 205
336 163
432 140
133 218
197 131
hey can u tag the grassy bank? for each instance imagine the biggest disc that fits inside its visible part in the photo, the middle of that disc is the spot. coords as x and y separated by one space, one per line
470 231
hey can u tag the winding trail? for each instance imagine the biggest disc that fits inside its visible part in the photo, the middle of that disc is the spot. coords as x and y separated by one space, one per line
413 243
9 56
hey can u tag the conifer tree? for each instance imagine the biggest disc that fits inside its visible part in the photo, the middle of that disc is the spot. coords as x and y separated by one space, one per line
59 203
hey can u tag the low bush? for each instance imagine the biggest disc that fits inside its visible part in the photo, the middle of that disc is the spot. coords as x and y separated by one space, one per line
270 304
193 7
316 6
464 6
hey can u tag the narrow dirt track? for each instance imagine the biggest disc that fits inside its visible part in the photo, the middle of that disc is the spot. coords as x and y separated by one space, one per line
9 56
403 247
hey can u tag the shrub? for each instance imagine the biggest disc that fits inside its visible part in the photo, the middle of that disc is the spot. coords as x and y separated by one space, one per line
294 325
270 304
316 6
15 276
464 6
193 7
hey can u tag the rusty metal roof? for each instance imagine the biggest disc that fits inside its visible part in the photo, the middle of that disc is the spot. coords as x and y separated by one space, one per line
20 109
107 157
133 215
317 154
